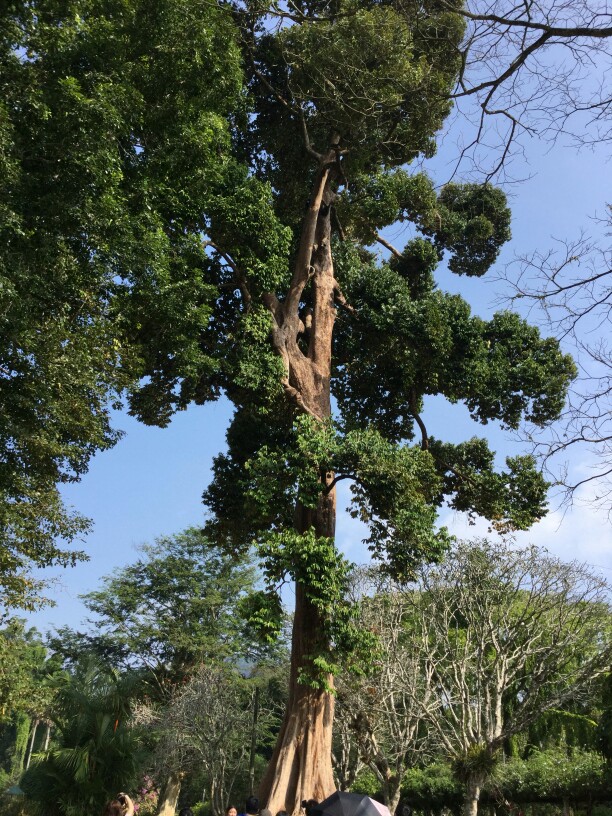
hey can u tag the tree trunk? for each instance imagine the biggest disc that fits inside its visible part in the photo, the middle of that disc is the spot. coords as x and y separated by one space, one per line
472 795
47 736
168 798
253 741
301 766
393 794
31 745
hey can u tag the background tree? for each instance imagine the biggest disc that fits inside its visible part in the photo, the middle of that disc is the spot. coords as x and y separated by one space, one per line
109 138
208 723
383 706
96 752
183 605
508 635
569 289
531 71
26 679
177 606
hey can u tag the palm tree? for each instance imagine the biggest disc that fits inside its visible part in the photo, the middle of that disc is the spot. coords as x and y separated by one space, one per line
96 752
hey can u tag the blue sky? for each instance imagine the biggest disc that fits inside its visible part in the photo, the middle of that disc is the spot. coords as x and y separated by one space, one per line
151 483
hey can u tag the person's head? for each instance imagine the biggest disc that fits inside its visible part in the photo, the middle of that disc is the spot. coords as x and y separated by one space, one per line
121 806
308 805
252 806
230 810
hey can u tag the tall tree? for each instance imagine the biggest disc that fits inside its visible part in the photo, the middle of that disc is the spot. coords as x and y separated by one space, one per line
507 635
242 266
344 97
181 603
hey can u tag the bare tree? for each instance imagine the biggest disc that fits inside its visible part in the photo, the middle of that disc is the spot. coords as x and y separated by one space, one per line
505 635
383 709
570 289
346 757
207 722
531 68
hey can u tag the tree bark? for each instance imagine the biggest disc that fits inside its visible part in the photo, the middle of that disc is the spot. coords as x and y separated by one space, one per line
47 736
393 794
253 741
301 766
472 795
168 799
31 745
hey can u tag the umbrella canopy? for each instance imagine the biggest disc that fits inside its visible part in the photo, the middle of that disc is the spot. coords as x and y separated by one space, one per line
341 803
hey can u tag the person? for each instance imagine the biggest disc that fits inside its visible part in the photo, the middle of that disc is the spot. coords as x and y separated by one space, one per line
230 810
252 806
308 805
122 805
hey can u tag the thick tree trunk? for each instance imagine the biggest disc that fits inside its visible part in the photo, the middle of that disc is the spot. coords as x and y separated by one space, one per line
301 766
168 798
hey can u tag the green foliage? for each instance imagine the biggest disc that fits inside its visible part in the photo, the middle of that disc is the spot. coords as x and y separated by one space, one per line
158 158
176 606
474 222
97 754
511 500
25 673
553 775
314 563
478 762
401 519
433 787
100 226
410 340
604 728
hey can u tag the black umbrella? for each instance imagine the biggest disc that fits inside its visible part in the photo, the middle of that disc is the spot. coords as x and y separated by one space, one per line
341 803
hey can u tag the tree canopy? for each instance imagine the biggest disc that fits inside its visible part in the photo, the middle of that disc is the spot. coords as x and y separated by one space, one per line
181 603
93 223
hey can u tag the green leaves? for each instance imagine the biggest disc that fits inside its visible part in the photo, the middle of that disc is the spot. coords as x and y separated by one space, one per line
174 607
408 339
474 222
512 500
113 135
